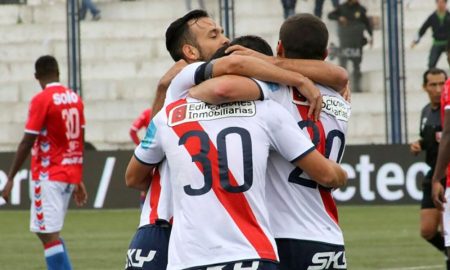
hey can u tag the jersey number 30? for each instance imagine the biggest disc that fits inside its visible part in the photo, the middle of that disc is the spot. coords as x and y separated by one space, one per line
213 161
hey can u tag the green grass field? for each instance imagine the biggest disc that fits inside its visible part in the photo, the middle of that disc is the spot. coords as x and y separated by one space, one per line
377 237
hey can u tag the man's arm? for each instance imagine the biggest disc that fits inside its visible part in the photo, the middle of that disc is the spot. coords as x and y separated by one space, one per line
262 70
422 31
318 71
227 88
324 171
163 84
23 150
137 174
443 159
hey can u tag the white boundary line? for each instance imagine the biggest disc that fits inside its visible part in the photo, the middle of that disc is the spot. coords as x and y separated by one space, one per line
437 266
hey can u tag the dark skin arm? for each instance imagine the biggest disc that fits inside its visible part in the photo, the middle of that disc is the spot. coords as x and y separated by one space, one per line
443 160
23 150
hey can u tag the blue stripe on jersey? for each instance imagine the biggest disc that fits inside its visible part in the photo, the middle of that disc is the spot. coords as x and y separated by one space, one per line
273 86
149 136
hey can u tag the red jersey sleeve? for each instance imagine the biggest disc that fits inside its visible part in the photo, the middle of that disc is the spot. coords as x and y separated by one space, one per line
37 113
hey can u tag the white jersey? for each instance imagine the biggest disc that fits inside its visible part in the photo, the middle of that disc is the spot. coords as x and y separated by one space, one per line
217 157
180 85
158 201
300 209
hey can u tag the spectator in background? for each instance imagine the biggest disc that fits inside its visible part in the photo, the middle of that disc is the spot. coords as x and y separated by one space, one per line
352 20
201 4
288 8
430 132
439 21
139 123
318 7
54 134
89 5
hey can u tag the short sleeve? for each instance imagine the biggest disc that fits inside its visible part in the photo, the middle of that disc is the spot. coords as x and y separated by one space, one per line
150 151
180 85
286 136
37 113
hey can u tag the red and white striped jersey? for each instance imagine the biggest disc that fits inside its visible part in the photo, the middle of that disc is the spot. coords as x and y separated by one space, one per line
299 208
217 157
56 116
445 106
158 201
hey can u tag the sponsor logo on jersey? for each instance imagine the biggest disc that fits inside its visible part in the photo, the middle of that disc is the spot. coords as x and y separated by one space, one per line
336 107
200 111
135 259
68 97
325 260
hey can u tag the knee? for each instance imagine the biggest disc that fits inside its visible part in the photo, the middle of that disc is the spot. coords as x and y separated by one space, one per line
428 232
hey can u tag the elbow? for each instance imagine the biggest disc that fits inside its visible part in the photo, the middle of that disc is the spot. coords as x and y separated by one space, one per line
342 77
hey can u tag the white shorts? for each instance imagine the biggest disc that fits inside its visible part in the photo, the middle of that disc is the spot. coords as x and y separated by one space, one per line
446 218
49 203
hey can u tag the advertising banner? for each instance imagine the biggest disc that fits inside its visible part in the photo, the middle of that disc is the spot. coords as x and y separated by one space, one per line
378 174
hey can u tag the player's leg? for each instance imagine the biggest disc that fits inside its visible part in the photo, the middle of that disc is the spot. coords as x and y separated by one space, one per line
430 218
48 208
318 6
446 225
148 249
434 56
299 254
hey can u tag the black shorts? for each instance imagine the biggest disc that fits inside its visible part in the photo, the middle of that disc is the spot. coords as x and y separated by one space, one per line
149 247
244 265
427 201
301 254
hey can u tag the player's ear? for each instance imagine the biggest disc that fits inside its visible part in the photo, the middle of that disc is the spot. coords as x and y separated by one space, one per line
190 52
280 49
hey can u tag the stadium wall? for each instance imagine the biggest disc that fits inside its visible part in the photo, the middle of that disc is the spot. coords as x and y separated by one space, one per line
378 174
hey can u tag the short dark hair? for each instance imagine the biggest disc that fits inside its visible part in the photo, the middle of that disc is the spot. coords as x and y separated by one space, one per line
304 36
178 34
433 71
253 42
46 66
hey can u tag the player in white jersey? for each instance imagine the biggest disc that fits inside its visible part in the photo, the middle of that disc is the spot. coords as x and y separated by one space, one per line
198 33
307 230
217 157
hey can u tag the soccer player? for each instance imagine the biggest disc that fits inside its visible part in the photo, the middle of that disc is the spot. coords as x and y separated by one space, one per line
306 230
139 123
54 132
193 37
430 133
217 157
442 168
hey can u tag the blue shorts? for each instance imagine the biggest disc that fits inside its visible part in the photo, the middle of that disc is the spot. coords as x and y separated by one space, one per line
244 265
300 254
149 247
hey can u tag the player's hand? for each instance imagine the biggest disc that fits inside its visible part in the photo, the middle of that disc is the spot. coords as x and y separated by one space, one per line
80 195
346 93
437 195
7 189
312 94
241 50
413 44
415 148
342 20
172 72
